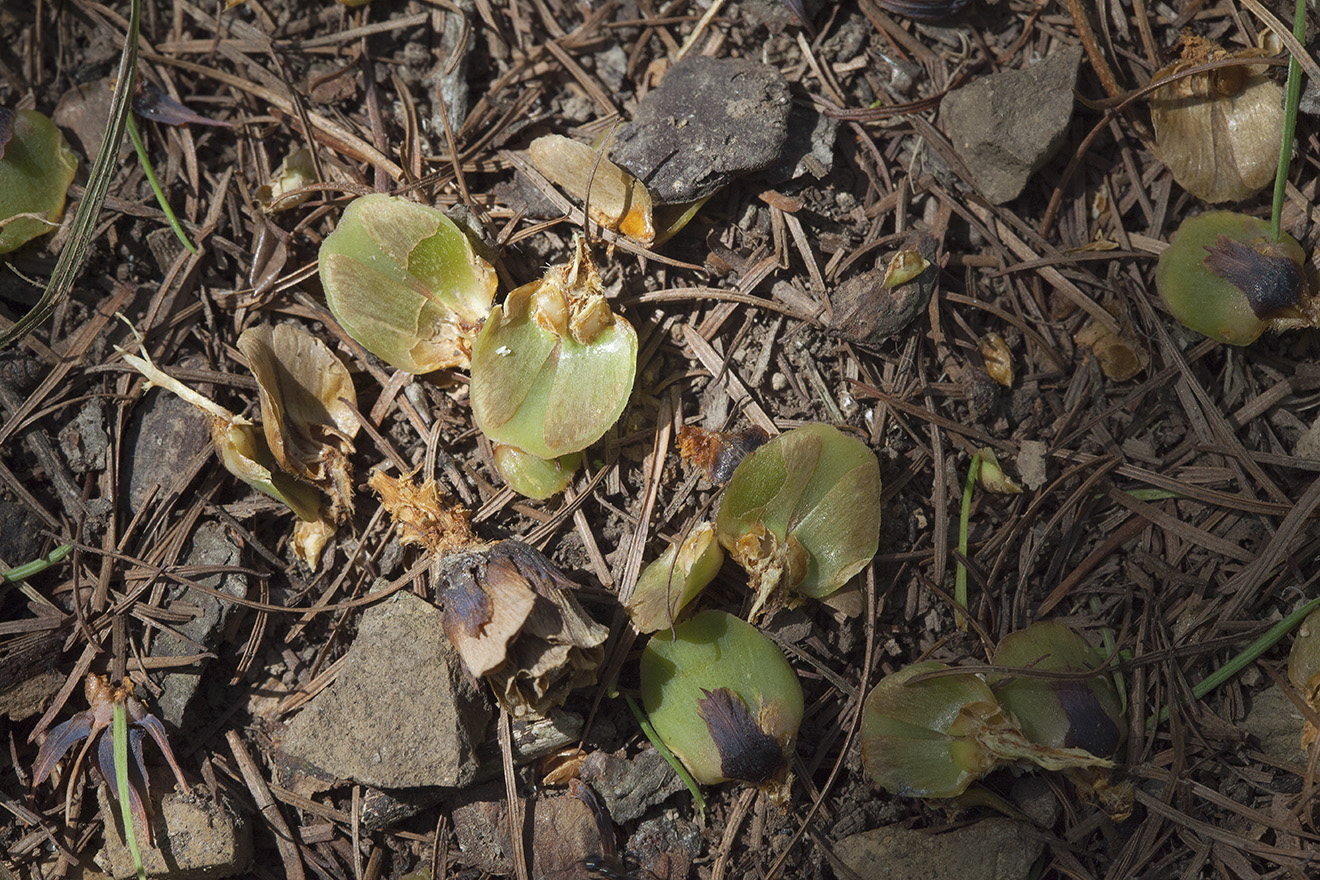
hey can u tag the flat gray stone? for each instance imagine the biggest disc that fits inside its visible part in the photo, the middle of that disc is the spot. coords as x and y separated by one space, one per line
1277 724
1006 126
992 849
402 712
195 837
709 120
210 546
165 434
630 786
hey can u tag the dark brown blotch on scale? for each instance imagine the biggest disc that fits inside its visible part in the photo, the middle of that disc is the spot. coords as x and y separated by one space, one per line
1090 726
747 752
923 10
718 452
465 601
1271 281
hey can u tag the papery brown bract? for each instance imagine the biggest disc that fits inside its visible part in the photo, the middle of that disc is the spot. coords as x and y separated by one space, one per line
307 407
1218 131
618 200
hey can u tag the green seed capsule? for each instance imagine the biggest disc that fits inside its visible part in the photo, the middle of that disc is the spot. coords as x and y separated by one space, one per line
404 281
1061 712
671 582
723 699
535 478
802 514
36 168
1224 277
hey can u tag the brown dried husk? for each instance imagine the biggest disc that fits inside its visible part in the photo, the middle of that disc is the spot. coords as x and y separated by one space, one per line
1218 131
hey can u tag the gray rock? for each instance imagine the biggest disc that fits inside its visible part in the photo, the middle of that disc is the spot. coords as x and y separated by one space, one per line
1007 125
809 148
402 712
161 441
710 120
195 837
665 846
1277 724
20 535
993 849
84 441
561 834
210 546
630 786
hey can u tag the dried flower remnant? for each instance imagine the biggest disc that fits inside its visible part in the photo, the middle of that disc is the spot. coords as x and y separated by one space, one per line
1218 131
1223 276
802 514
404 281
1120 356
95 722
905 266
1304 670
617 200
718 452
36 168
295 172
508 611
998 358
553 367
672 581
932 736
244 452
722 697
307 408
991 477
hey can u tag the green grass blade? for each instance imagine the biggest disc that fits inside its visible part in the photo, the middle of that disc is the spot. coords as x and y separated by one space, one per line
36 566
145 161
119 729
1247 656
964 524
74 253
663 749
1293 98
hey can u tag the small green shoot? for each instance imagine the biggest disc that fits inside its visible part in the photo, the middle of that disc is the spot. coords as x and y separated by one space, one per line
36 566
145 160
964 523
1292 97
119 729
654 738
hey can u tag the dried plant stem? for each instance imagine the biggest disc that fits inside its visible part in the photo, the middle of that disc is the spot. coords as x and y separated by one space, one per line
1093 53
964 524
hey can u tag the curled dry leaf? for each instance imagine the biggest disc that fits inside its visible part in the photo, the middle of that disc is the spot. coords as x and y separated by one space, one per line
905 265
508 611
998 358
553 368
307 407
404 281
1218 131
618 200
1119 355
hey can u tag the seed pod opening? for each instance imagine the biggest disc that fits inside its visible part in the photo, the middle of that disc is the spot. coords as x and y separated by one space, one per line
404 281
802 514
1218 131
1084 713
553 368
1223 276
36 168
934 736
723 699
671 582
